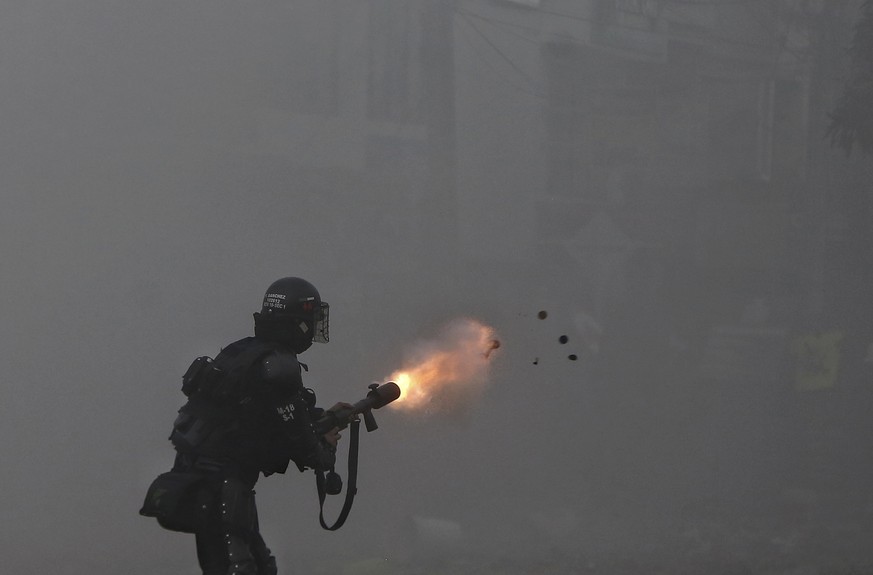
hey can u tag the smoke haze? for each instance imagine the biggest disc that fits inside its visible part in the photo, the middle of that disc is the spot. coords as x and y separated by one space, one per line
446 373
163 162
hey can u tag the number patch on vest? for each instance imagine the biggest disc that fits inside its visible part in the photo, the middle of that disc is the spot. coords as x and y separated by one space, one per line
287 412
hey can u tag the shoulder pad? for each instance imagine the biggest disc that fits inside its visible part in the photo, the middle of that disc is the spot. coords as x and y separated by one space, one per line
280 367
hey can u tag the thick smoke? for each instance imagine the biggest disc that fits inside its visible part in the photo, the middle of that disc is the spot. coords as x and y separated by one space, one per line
448 372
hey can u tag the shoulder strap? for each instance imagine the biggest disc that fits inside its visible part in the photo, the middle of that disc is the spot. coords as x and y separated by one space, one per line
234 362
242 353
351 486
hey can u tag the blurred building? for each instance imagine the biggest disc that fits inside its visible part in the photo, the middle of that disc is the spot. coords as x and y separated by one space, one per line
693 128
663 164
656 165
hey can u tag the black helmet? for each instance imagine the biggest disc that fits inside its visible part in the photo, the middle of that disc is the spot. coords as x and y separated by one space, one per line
293 313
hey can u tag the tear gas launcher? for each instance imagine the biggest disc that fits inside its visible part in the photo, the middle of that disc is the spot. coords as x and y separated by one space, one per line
379 396
329 482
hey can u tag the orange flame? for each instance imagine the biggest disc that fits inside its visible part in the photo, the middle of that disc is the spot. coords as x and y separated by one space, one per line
448 371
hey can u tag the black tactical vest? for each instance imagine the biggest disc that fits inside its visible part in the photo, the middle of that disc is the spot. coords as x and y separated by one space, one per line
223 417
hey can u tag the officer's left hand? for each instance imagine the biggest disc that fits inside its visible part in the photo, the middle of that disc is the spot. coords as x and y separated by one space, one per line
341 405
332 437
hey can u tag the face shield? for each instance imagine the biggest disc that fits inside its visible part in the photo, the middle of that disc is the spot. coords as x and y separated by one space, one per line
322 323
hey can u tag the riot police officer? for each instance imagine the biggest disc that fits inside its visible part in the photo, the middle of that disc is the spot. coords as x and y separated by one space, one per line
248 413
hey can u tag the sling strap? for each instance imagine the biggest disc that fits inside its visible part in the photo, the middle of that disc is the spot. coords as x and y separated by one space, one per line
351 486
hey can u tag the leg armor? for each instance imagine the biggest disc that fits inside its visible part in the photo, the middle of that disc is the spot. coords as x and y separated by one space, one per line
234 546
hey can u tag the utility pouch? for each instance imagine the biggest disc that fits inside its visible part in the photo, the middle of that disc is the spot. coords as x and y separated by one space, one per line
200 375
206 379
180 501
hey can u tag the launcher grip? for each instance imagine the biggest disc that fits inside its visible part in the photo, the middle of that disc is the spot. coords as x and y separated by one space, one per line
378 397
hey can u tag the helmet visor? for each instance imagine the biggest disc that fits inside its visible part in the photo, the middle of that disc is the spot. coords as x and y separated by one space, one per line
322 324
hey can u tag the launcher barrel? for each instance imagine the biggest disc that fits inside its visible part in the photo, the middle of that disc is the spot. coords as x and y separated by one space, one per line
379 396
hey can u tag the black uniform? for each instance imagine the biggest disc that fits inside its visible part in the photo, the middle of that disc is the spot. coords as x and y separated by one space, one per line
247 413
